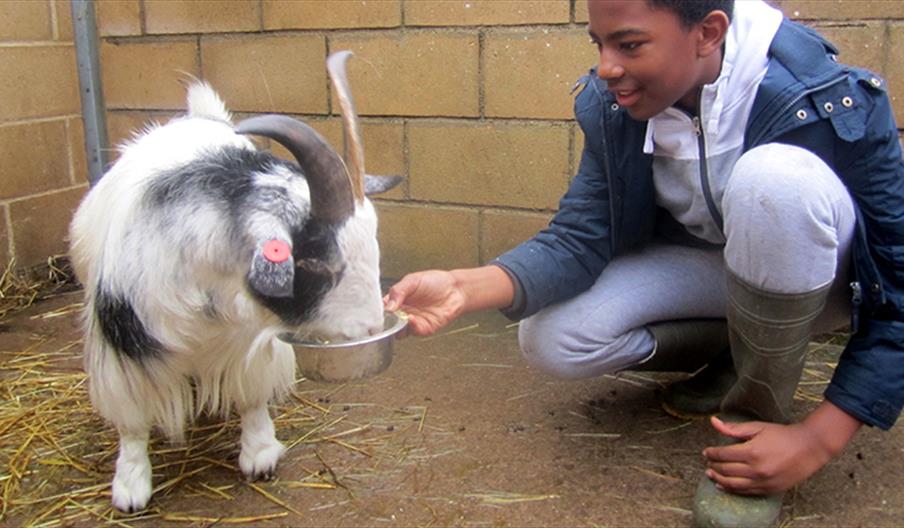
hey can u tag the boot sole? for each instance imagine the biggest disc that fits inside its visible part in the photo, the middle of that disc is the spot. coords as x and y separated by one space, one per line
682 415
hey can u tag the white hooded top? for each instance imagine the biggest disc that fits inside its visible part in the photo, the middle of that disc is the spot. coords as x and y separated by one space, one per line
724 110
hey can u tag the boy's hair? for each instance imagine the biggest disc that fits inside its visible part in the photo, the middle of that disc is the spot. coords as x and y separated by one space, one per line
690 12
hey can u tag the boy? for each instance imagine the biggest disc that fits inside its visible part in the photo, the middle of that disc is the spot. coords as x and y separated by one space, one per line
733 175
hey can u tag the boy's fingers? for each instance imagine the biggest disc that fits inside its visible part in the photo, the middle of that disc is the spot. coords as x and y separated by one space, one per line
741 485
732 469
732 453
397 295
419 327
740 431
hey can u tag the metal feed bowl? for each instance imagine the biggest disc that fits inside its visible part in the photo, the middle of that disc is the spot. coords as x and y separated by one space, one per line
347 360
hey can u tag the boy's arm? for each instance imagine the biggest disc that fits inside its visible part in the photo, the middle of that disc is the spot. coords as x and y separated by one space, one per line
566 258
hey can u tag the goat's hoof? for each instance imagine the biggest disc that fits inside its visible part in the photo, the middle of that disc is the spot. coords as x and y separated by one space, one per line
131 496
266 476
261 464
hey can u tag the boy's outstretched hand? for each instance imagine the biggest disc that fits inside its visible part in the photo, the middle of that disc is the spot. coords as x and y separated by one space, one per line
435 298
432 299
772 458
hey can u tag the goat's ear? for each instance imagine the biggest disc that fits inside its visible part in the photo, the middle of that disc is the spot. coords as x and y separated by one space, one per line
379 184
272 272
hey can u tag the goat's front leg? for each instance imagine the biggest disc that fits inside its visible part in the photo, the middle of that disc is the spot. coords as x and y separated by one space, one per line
260 449
132 481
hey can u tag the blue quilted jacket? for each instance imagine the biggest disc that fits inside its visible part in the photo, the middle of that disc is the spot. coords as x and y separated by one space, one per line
839 112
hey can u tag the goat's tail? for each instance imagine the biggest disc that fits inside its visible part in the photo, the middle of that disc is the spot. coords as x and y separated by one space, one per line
204 102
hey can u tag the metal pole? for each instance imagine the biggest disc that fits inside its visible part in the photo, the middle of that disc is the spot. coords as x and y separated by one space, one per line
92 95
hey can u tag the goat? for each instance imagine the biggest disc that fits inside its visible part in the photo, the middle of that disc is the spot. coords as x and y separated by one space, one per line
196 250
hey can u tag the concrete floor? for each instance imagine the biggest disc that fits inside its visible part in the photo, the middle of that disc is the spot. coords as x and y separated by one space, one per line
459 431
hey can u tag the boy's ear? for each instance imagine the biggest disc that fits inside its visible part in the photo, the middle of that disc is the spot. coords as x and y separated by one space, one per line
712 31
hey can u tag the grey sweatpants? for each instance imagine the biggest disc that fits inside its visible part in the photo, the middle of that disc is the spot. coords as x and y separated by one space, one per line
789 223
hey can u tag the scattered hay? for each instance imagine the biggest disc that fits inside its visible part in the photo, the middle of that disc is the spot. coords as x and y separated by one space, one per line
504 497
822 358
220 520
19 289
57 455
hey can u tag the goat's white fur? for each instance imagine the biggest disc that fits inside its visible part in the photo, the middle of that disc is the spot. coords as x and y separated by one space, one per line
172 275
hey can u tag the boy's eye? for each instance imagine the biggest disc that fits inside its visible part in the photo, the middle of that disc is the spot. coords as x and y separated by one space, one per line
629 46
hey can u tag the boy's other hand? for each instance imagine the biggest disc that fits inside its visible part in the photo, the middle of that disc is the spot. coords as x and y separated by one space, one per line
772 458
432 299
769 459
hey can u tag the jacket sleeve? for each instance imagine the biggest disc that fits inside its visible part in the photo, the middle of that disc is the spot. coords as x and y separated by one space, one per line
869 380
566 258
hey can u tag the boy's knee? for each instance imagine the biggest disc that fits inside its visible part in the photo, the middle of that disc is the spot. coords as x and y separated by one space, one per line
774 170
778 185
542 348
567 353
552 349
786 215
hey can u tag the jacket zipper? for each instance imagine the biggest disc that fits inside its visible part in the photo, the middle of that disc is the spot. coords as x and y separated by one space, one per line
793 102
856 299
611 190
704 174
604 148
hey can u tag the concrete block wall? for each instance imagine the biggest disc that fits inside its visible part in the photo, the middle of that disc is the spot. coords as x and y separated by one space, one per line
43 172
467 98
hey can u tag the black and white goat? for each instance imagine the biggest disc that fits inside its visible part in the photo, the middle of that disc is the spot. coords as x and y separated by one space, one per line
196 250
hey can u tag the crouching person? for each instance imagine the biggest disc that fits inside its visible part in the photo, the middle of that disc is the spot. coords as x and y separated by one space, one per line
739 191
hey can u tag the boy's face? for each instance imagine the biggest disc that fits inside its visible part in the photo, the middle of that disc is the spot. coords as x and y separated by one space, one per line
648 58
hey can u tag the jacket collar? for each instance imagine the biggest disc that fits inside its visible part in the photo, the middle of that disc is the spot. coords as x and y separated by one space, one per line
803 52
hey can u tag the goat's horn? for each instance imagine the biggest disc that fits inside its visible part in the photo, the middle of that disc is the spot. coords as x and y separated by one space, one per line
351 133
332 200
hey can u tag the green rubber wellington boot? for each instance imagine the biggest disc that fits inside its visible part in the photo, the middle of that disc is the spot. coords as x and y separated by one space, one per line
769 334
701 395
692 345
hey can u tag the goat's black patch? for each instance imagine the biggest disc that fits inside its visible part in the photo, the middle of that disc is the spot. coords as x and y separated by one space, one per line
226 177
122 327
271 279
317 269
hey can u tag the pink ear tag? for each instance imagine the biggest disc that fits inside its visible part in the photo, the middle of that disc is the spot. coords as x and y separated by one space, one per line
276 251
